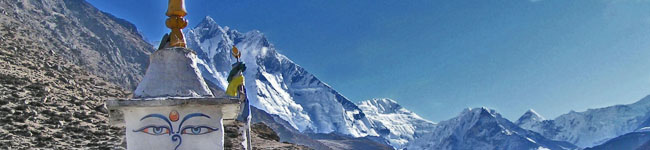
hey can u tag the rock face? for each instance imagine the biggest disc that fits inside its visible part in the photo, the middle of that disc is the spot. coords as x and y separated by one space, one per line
102 44
395 123
173 73
483 129
594 126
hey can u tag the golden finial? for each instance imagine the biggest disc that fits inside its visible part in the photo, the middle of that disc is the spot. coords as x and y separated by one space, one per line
235 52
176 11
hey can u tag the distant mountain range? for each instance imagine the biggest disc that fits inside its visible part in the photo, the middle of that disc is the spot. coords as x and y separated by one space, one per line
281 88
592 127
484 129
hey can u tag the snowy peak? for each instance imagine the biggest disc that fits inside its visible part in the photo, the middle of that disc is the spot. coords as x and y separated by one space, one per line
210 27
534 114
531 120
274 83
383 105
208 23
393 122
530 116
257 38
484 111
479 113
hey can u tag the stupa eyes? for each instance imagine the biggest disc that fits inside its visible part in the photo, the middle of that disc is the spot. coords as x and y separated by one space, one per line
174 117
189 130
155 130
197 130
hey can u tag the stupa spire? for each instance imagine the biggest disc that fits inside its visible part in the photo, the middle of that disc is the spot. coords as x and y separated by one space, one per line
176 22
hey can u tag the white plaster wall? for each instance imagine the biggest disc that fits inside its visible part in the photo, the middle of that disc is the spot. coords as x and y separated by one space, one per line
172 72
138 140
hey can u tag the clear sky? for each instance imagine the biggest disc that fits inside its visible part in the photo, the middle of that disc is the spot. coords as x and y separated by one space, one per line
436 57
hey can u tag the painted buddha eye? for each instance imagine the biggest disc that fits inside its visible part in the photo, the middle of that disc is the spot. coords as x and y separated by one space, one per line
197 130
154 130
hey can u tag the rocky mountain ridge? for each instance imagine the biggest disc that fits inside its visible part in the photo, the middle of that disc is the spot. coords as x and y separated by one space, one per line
49 102
102 44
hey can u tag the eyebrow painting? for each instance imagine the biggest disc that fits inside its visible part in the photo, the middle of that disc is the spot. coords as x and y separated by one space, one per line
182 128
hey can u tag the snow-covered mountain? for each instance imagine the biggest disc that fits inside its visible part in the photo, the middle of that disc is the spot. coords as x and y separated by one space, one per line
591 127
281 88
481 128
529 119
276 84
630 141
393 122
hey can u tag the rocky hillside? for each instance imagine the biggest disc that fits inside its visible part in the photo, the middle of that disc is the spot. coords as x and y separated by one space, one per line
263 138
47 101
98 42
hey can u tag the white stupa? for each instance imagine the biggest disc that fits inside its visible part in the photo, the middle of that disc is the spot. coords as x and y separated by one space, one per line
172 72
172 107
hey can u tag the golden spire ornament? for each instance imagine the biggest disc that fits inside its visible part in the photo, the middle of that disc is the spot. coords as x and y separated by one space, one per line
235 52
176 11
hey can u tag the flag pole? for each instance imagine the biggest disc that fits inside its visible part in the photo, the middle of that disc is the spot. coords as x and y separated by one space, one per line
236 87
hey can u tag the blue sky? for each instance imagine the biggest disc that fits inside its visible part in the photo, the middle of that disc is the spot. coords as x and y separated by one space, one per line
438 57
